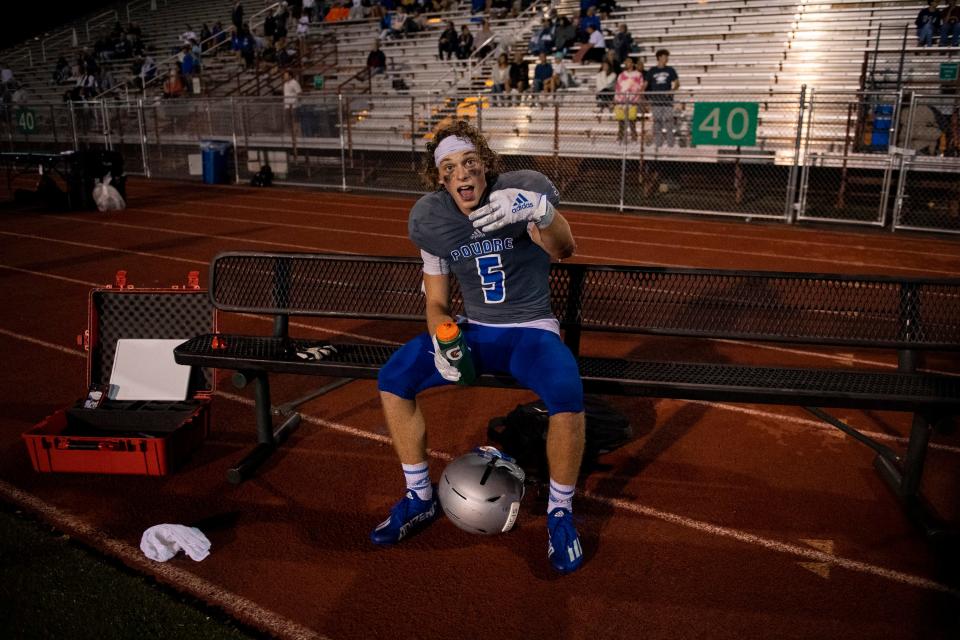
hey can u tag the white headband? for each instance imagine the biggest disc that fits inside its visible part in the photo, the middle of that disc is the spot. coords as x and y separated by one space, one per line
451 144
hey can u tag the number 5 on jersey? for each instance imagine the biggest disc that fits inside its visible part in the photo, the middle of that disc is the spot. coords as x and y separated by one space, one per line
491 278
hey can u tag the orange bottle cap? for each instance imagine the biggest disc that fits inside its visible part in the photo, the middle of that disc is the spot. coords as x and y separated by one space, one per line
447 331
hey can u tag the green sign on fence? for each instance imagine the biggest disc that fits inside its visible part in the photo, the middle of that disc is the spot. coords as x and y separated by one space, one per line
26 120
725 124
948 71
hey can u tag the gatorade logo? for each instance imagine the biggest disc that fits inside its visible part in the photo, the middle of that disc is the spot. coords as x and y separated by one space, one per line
453 354
521 203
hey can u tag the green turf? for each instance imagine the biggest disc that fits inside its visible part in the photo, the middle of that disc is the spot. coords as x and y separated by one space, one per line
51 587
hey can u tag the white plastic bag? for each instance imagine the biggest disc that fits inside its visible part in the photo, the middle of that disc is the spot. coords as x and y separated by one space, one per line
107 197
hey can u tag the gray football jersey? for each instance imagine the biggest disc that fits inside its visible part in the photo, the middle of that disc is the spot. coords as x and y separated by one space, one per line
503 274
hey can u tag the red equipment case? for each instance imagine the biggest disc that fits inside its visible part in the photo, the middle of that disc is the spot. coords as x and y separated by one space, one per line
131 437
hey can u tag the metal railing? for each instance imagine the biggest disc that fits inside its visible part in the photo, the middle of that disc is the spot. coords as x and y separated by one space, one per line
58 39
890 160
107 17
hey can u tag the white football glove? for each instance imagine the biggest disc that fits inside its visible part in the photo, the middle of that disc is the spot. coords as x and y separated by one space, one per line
447 370
507 206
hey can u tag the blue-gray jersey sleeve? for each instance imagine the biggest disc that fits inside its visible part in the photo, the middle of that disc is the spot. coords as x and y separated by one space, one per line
529 181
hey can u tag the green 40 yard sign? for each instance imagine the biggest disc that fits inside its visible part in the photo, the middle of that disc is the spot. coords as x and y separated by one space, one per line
26 120
726 124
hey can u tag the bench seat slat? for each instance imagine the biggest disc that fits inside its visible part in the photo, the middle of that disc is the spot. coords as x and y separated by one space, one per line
704 381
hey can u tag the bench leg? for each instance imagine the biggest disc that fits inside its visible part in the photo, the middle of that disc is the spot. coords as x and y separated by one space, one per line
903 475
905 479
268 438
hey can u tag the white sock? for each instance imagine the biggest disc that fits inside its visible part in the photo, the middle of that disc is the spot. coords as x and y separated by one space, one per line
561 495
418 479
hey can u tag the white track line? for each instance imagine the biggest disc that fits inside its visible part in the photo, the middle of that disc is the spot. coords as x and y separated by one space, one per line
273 223
682 249
237 606
625 223
87 245
676 519
191 234
665 516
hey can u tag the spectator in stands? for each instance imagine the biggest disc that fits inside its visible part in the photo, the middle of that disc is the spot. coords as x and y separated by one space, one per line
562 78
485 39
605 8
247 46
173 85
269 26
291 92
61 71
403 23
188 67
357 10
585 6
615 65
542 39
148 70
595 48
565 35
376 60
501 77
464 43
519 76
629 89
500 8
87 83
205 35
478 6
662 81
236 16
950 25
303 27
449 41
590 19
604 83
543 75
219 36
20 94
188 37
339 11
6 75
928 24
622 43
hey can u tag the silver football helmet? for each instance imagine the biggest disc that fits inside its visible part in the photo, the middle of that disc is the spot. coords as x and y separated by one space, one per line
481 491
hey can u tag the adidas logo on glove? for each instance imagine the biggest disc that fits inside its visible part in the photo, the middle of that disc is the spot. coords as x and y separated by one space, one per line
521 203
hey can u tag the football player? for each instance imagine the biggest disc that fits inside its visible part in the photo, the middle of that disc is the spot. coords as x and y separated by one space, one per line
497 233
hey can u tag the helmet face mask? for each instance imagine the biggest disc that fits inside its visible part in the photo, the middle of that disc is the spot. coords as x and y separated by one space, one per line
481 491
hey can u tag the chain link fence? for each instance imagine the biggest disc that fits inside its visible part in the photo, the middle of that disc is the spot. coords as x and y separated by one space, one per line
875 158
928 191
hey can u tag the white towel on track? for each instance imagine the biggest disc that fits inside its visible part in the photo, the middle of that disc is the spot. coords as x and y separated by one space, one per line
161 542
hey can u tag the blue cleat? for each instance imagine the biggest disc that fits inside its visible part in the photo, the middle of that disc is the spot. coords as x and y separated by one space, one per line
563 545
407 517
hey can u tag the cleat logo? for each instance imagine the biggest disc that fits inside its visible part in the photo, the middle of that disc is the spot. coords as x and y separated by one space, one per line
405 529
521 203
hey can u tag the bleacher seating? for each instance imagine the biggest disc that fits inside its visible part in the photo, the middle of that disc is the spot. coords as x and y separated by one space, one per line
762 50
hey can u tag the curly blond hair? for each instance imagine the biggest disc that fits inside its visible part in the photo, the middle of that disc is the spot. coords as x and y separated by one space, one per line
492 163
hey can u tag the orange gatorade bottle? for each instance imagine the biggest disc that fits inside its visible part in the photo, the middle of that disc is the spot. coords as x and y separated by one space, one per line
454 349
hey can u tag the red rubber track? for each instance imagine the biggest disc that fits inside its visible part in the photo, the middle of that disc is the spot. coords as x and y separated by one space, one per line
719 521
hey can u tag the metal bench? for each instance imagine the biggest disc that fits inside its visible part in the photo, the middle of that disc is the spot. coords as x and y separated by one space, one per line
905 315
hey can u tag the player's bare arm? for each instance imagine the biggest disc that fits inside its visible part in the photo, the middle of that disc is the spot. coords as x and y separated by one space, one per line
556 239
437 291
